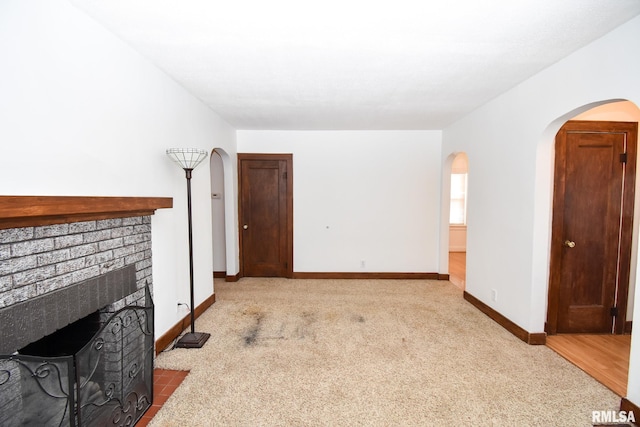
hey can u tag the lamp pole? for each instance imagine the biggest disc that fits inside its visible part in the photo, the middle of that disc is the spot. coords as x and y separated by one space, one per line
188 159
193 318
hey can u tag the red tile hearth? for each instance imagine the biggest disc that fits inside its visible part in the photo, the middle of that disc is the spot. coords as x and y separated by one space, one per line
165 382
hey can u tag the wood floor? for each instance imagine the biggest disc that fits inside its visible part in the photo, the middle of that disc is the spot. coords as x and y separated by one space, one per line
604 357
457 268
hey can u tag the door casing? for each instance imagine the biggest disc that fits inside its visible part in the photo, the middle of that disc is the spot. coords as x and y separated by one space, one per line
286 256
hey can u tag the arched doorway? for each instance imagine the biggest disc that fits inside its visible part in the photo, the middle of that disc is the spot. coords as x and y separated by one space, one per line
593 352
453 227
458 220
217 216
224 216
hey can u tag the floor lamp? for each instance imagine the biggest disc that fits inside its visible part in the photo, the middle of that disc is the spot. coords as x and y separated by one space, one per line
188 159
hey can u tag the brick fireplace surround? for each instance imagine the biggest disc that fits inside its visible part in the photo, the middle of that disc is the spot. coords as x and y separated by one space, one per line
50 244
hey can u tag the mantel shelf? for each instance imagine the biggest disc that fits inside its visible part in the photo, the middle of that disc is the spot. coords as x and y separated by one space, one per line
29 211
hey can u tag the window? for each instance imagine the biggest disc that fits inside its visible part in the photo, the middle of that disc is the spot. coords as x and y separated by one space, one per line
458 210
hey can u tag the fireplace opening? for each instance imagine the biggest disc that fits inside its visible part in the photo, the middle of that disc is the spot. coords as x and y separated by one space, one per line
65 341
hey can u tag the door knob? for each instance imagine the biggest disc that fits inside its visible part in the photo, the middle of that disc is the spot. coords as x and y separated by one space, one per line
569 244
245 227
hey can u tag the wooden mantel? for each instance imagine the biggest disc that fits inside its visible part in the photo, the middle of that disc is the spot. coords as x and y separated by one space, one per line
29 211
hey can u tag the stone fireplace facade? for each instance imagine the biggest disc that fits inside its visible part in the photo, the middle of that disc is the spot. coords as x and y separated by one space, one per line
53 259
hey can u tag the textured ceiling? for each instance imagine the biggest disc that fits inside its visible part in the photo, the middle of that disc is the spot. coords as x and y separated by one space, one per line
340 64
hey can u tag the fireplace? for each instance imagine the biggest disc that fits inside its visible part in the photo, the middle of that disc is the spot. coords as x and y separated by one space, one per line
76 310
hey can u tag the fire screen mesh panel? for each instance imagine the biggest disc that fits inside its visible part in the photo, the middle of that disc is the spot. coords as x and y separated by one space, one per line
111 377
35 392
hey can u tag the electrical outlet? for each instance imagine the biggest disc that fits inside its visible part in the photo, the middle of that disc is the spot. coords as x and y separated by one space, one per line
363 263
494 295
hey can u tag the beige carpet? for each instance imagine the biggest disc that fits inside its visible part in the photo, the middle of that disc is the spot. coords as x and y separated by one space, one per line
368 352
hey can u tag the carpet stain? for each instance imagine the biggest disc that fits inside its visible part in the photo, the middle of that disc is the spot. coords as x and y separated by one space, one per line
331 316
309 317
357 318
266 329
263 332
252 310
250 337
306 328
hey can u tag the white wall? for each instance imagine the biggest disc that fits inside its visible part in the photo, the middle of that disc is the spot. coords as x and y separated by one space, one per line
509 143
369 196
81 113
457 238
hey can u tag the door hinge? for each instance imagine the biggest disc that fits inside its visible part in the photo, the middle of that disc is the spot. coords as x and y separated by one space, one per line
623 158
614 311
284 175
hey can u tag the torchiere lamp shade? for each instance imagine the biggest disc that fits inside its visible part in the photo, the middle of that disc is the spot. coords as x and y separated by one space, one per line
187 158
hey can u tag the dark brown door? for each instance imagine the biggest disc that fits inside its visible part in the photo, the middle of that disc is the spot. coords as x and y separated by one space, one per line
266 210
592 227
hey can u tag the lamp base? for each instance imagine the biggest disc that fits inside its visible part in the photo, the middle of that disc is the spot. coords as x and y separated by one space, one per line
192 340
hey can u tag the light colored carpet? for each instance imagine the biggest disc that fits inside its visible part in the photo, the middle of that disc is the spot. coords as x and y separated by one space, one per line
288 352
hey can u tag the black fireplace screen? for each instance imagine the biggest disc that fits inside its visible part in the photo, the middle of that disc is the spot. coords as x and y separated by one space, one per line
109 381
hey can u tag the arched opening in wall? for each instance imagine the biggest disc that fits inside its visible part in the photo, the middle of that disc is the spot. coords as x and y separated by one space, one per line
593 246
218 215
458 220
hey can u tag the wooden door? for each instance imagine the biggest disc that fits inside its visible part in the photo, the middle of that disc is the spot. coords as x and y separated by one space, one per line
592 227
266 214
